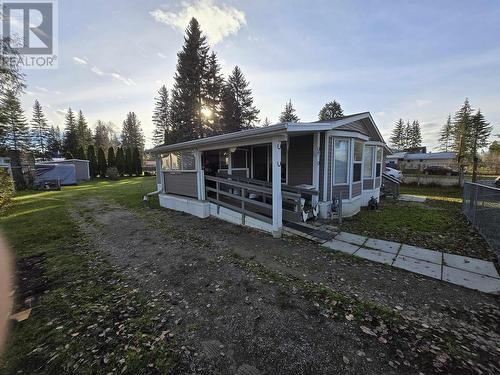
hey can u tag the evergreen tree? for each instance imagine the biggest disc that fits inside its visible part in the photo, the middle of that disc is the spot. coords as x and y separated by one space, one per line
54 142
415 135
40 130
187 93
136 162
397 135
101 136
407 134
70 142
80 153
330 111
446 135
131 132
238 111
16 133
111 157
101 162
462 124
129 163
479 134
288 114
120 161
93 166
84 134
213 86
161 117
266 122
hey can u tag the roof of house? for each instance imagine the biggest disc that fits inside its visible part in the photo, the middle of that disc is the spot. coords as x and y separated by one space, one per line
430 156
270 131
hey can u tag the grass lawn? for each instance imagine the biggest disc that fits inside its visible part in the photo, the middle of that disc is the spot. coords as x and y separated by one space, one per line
76 289
437 224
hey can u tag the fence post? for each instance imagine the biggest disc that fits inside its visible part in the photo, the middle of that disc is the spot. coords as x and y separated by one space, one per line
476 188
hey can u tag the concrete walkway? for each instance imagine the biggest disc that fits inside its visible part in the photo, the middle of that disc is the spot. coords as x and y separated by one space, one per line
468 272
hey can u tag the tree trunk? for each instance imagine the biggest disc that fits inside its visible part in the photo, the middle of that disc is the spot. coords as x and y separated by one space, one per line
474 168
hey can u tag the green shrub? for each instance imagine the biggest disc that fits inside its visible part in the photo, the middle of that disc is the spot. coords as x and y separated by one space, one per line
112 173
6 188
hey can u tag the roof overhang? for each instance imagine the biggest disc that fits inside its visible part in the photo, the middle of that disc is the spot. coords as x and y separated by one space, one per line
266 134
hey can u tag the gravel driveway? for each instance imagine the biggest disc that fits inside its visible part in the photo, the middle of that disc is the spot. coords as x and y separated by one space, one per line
242 302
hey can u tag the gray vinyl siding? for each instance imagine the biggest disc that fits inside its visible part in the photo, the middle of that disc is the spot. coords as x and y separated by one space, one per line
184 183
377 182
356 126
330 158
340 191
300 160
368 184
356 189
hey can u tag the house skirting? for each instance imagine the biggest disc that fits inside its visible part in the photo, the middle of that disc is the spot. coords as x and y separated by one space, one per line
350 207
234 217
367 194
184 204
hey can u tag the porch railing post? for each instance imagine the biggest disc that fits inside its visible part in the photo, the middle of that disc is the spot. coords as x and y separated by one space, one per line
277 197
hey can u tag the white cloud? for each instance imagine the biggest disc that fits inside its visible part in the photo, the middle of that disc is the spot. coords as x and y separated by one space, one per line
161 55
79 60
422 102
217 22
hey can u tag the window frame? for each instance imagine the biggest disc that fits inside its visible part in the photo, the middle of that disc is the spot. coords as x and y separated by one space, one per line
348 158
368 152
180 160
357 162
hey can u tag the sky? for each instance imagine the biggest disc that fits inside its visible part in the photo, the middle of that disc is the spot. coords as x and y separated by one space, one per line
395 59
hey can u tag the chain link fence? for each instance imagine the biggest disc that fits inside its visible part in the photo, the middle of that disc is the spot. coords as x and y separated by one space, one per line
481 206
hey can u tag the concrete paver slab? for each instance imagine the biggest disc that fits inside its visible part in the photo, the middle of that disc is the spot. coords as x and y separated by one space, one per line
375 255
341 246
412 198
418 266
355 239
387 246
422 254
470 264
471 280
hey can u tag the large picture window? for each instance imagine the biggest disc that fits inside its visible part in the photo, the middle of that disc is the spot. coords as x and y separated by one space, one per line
178 161
358 160
340 161
368 162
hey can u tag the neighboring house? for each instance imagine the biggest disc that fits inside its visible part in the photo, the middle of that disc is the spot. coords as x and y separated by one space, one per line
419 161
255 177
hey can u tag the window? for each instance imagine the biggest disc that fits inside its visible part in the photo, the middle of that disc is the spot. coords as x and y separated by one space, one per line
239 158
368 162
284 157
358 160
379 161
224 159
178 161
340 162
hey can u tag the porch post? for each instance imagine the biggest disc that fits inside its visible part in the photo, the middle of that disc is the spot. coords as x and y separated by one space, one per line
315 166
200 175
159 174
277 200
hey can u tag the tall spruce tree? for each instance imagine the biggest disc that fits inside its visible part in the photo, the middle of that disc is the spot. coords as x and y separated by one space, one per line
84 134
397 135
40 129
16 133
288 114
101 162
213 86
266 122
120 161
462 124
479 134
187 93
111 157
161 117
70 142
238 111
446 135
91 157
54 142
131 132
330 111
415 135
407 134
